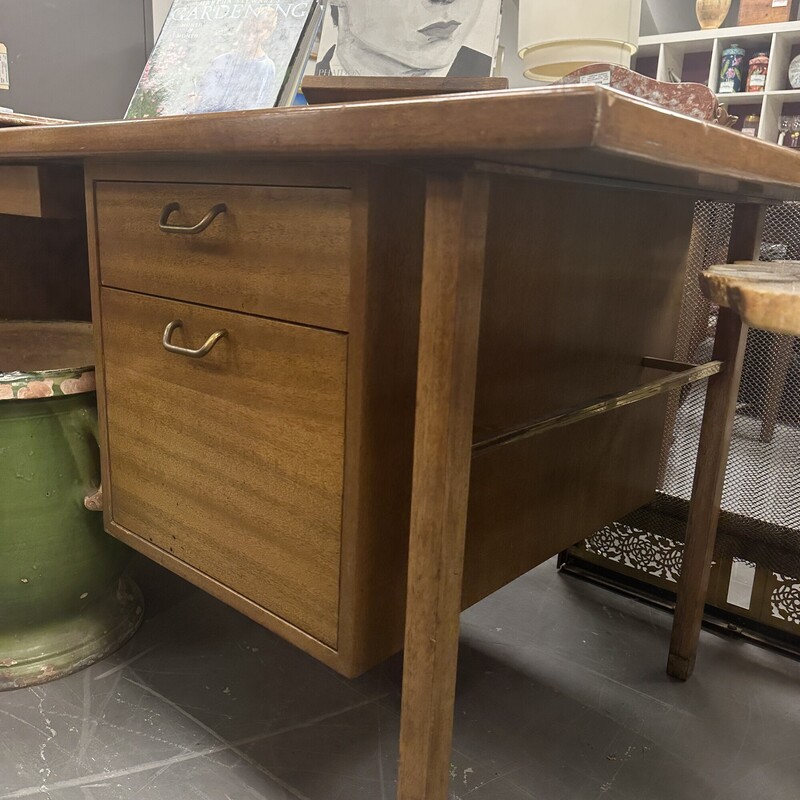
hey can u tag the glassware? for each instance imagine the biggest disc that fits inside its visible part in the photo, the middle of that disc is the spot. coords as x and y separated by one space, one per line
784 123
794 136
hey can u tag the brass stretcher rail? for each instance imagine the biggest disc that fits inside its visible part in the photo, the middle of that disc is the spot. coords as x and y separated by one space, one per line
680 375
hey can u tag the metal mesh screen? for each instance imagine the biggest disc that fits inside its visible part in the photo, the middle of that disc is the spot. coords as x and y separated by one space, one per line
763 479
760 523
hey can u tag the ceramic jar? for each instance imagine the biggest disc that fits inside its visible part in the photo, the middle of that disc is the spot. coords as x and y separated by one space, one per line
794 73
64 601
712 13
757 73
732 69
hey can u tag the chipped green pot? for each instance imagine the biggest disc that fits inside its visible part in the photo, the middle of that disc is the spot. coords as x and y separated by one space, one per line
64 602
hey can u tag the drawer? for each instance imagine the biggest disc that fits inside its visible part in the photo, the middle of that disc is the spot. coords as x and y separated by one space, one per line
278 252
233 463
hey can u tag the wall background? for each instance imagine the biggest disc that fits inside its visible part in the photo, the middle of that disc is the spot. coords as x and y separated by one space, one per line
160 11
74 59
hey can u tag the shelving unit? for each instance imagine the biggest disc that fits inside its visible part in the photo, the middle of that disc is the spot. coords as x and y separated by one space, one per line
697 55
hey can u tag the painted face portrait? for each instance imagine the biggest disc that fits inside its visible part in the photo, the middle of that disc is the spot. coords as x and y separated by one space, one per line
423 34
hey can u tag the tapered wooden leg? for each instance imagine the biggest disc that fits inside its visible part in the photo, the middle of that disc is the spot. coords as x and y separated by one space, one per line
455 233
712 459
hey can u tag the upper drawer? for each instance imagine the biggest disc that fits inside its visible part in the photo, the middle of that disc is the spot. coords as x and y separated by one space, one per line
279 252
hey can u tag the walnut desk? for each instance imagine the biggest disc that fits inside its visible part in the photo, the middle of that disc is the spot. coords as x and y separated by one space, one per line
326 338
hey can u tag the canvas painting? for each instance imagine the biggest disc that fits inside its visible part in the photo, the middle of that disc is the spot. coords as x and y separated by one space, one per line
425 38
215 55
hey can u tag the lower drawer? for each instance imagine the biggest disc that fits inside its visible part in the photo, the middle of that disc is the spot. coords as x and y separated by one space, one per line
233 462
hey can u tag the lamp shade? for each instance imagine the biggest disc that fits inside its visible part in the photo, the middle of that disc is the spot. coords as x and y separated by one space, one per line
559 36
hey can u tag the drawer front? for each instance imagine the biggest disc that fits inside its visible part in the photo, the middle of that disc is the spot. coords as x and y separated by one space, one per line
278 252
233 463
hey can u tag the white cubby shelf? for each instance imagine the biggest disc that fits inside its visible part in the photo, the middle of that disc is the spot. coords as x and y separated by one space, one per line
697 56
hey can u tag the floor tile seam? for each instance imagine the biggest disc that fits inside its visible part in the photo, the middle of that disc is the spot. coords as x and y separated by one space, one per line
235 747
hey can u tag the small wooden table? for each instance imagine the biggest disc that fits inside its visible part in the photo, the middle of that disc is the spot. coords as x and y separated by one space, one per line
379 322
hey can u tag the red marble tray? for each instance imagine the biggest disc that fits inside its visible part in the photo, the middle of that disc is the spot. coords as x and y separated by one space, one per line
692 99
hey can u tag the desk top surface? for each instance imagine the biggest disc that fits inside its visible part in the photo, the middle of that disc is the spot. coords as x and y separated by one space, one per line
584 130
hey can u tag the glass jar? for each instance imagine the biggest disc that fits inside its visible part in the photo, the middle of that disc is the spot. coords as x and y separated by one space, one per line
732 68
757 74
750 127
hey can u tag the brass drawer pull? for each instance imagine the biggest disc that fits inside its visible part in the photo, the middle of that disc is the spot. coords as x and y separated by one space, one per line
186 351
166 212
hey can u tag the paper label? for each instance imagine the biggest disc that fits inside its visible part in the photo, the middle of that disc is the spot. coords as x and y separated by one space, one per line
780 3
758 79
3 69
600 78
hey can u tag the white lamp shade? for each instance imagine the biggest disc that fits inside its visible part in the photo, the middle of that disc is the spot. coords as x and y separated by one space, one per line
559 36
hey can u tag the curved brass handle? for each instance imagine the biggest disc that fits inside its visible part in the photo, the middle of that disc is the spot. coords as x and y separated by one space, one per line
185 351
166 212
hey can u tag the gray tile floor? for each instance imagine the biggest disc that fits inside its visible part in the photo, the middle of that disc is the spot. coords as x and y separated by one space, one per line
562 696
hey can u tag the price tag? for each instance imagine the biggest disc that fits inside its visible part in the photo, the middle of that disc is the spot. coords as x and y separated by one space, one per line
600 78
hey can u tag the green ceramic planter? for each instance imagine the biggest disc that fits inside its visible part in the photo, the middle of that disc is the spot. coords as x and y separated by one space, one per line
64 602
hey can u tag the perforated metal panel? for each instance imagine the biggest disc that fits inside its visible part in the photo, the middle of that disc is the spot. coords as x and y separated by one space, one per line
760 525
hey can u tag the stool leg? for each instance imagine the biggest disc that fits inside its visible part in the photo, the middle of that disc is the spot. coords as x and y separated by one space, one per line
452 283
783 349
709 477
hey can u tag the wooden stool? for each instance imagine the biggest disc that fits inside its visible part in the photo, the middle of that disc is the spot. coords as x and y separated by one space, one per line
750 294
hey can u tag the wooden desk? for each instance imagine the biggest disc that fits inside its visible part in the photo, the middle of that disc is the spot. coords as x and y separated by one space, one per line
401 285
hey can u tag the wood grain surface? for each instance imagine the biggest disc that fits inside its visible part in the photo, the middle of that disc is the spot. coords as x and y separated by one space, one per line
388 228
587 130
43 269
319 89
37 346
548 339
765 296
553 338
452 279
279 252
232 463
765 12
47 191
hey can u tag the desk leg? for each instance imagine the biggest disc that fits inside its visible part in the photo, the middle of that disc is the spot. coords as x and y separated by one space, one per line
452 282
712 459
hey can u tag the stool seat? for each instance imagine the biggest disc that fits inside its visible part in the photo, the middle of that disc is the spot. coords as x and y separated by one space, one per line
765 294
